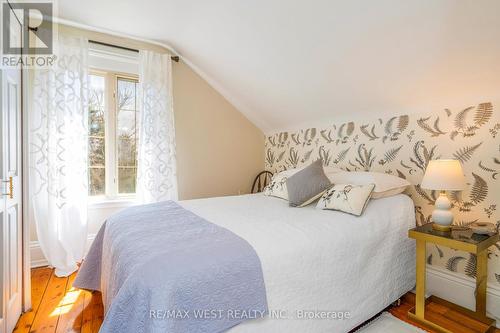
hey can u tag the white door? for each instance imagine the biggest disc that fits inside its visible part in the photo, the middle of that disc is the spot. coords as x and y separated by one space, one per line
10 202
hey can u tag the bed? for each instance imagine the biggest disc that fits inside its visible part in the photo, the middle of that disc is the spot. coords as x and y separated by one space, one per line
324 271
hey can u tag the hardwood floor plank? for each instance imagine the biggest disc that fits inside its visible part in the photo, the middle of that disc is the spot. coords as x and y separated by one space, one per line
447 323
437 308
465 321
47 316
93 312
39 281
98 312
86 313
441 315
71 308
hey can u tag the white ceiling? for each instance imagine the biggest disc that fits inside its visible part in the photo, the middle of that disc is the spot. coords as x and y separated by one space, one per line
289 63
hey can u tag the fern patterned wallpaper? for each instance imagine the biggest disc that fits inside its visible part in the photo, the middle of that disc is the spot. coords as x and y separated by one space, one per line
403 146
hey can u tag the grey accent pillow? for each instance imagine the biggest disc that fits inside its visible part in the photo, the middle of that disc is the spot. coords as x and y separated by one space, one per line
307 185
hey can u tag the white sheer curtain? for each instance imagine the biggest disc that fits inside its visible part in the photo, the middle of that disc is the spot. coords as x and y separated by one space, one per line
58 155
157 180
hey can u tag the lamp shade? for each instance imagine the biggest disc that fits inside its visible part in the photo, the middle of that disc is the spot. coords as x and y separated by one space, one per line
444 175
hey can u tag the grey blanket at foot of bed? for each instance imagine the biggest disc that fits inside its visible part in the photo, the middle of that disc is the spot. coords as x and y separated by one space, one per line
161 268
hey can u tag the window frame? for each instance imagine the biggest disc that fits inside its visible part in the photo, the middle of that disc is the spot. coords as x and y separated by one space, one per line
110 135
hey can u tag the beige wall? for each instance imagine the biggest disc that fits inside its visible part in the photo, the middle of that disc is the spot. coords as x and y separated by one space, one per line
219 151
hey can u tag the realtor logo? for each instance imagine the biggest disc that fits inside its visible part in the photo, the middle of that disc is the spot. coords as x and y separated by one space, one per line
37 39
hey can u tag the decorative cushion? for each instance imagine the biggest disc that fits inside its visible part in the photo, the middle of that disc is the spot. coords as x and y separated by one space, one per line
277 186
385 185
347 198
307 185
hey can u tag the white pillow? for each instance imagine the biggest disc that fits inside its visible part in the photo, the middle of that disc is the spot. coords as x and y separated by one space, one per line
347 198
277 186
385 185
331 170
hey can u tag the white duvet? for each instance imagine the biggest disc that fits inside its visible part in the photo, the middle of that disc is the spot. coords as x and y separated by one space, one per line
324 262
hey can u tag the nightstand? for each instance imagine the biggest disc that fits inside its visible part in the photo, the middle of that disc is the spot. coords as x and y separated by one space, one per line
464 240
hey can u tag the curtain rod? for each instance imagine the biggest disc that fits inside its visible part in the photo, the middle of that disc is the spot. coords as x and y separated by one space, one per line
174 58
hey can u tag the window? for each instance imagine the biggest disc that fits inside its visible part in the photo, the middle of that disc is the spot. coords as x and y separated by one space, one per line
113 133
97 131
126 130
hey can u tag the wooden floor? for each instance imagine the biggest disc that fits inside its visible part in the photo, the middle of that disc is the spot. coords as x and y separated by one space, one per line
439 314
57 307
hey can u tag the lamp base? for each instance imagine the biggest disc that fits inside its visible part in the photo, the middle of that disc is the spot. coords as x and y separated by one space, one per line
440 227
442 215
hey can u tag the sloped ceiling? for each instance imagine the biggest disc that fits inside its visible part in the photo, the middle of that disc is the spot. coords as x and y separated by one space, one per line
289 63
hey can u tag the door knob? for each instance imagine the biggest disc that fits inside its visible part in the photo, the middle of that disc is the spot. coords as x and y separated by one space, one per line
10 194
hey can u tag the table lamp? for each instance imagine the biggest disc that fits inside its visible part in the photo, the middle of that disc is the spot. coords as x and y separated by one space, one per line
443 175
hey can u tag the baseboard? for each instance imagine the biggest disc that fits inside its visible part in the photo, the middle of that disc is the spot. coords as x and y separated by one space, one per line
459 289
37 257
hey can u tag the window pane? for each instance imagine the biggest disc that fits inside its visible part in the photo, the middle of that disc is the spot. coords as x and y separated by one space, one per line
97 159
96 122
97 186
96 152
126 94
126 138
127 177
126 132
